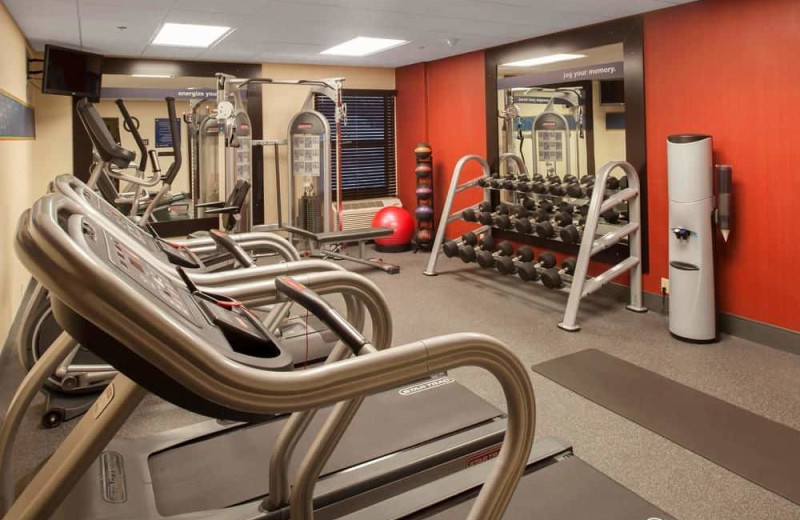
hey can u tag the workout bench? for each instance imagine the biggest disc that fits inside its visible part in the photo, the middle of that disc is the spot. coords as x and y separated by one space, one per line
318 241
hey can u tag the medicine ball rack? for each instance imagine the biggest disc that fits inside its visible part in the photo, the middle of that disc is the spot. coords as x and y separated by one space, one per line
423 237
580 284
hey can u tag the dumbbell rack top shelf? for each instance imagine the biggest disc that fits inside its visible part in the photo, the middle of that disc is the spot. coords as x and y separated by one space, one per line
612 255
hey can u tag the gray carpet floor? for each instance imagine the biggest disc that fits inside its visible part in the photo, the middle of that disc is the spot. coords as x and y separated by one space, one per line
466 298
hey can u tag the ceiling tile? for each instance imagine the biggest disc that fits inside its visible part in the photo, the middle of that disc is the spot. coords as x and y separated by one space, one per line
216 6
65 8
297 30
120 15
41 29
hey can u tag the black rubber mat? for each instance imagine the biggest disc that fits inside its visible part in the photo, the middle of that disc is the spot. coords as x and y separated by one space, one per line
758 449
234 466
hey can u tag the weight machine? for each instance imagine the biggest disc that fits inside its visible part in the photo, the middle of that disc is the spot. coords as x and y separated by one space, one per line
311 204
551 143
203 134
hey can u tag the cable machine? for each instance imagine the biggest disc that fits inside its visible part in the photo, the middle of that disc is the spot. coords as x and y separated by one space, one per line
311 201
550 133
235 124
203 134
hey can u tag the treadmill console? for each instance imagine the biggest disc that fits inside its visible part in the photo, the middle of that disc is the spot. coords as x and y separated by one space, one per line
118 218
126 311
158 285
179 255
176 255
228 325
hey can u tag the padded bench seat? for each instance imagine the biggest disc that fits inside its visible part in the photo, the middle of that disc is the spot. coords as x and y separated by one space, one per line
353 235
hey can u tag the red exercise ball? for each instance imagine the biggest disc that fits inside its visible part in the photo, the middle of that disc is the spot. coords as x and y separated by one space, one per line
403 224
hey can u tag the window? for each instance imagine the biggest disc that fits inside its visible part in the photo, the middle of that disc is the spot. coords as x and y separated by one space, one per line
369 166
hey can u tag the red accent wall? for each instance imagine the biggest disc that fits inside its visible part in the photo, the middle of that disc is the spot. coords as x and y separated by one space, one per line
444 103
411 127
727 68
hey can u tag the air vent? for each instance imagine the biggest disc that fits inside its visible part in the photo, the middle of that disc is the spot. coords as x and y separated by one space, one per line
358 214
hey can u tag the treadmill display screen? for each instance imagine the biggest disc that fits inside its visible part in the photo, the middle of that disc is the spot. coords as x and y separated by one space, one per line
157 284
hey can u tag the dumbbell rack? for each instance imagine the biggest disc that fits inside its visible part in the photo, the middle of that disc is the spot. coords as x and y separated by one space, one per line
582 285
455 188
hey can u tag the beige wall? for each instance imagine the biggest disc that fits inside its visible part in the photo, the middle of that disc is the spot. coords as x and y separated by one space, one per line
17 185
53 145
146 111
281 102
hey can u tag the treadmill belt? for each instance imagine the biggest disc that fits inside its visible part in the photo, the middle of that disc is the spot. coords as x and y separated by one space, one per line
755 448
567 490
233 467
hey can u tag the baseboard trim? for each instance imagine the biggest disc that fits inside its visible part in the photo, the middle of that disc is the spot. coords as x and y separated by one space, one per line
751 330
764 333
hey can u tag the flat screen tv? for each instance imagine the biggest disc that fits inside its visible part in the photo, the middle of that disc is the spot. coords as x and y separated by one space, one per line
612 92
71 73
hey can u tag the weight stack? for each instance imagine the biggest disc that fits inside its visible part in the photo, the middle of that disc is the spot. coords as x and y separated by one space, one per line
423 237
692 310
310 216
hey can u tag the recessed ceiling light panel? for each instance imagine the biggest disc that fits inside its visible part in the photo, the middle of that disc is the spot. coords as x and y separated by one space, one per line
151 75
544 60
190 35
363 46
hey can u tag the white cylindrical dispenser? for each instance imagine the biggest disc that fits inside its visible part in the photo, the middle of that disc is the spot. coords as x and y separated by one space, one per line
692 310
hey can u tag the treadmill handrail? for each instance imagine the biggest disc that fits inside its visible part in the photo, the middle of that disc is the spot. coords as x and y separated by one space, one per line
53 256
312 302
228 244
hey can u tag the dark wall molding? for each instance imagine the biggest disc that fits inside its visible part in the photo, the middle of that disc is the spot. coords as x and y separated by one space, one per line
629 32
82 148
759 332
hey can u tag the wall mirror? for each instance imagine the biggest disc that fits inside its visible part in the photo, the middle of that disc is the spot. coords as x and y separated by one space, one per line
142 85
198 180
567 104
564 117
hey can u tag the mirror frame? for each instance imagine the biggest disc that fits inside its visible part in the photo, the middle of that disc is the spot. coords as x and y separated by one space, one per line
628 31
82 147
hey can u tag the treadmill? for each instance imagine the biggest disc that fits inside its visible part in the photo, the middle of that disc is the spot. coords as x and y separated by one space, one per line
307 341
556 484
402 435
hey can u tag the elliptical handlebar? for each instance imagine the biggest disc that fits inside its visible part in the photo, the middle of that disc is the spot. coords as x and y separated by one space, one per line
174 131
154 162
133 128
174 168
